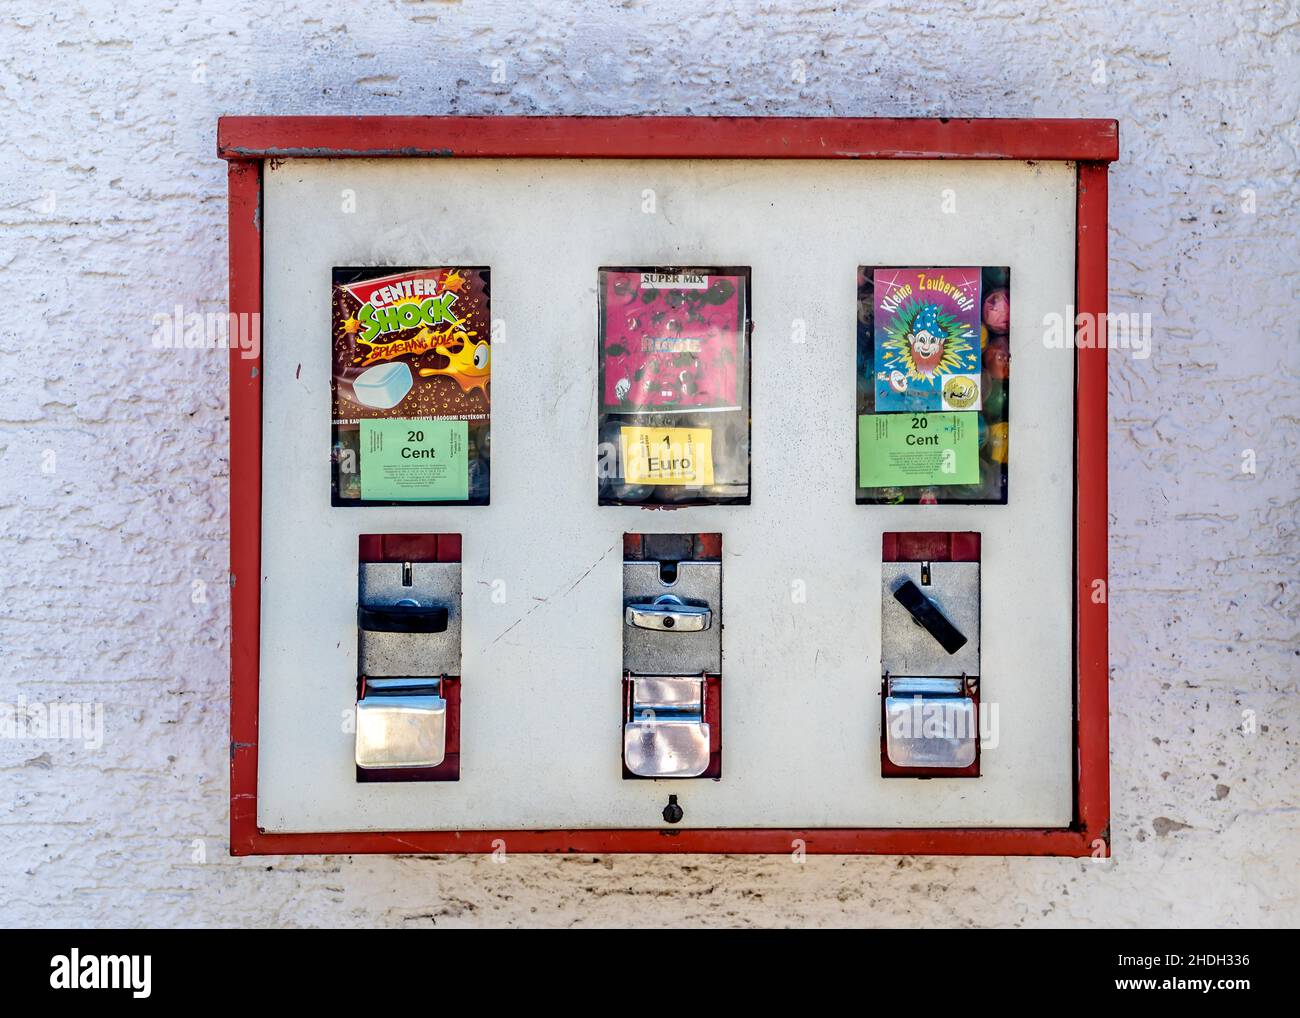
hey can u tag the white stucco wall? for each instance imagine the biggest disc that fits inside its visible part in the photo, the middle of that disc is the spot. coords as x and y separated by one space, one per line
113 460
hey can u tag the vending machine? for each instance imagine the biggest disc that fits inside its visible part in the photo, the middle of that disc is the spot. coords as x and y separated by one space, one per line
633 484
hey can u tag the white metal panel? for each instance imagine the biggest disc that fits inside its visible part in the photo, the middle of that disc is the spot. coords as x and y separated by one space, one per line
540 714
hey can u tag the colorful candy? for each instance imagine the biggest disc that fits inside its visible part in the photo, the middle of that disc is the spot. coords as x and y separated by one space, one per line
998 442
997 310
997 358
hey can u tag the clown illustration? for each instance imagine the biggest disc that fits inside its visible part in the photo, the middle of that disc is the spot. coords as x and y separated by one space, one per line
927 340
924 342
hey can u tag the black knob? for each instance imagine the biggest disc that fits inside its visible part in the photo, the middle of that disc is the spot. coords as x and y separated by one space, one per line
672 812
926 613
401 618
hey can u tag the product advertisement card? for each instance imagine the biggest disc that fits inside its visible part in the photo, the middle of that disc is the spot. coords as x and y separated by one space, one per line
411 351
927 339
671 342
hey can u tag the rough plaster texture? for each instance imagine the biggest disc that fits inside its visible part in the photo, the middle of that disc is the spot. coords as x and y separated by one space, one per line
113 462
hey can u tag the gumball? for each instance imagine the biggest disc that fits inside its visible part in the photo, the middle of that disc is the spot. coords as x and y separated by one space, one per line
668 494
995 396
983 431
631 492
928 497
997 310
984 336
997 358
865 311
998 442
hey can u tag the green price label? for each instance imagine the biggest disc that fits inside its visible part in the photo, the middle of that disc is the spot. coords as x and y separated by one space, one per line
414 461
903 450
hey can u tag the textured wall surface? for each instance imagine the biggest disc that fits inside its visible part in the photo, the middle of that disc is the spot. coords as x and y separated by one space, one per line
113 462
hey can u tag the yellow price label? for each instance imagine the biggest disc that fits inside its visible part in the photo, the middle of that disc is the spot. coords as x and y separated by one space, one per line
667 455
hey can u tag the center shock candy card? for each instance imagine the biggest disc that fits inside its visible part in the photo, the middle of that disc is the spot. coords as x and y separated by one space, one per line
411 353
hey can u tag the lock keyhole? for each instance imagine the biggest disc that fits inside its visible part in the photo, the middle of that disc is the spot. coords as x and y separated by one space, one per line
668 622
672 812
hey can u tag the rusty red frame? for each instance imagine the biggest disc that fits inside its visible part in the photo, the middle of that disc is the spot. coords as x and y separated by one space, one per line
246 142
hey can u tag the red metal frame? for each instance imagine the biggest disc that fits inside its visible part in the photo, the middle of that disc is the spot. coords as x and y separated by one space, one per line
246 141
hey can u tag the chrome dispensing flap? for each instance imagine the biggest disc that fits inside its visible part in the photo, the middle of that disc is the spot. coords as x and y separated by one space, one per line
401 723
666 736
672 629
426 644
930 722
